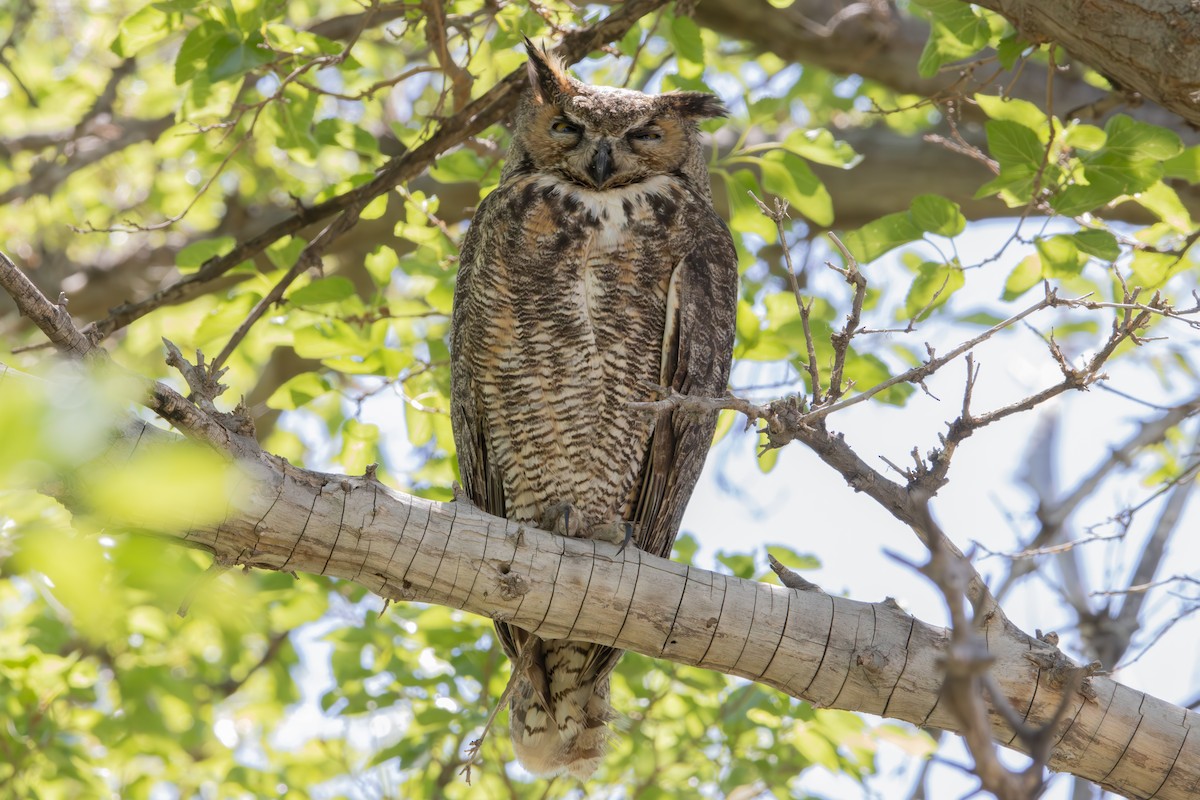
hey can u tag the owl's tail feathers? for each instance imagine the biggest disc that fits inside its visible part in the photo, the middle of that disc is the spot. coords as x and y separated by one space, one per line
568 735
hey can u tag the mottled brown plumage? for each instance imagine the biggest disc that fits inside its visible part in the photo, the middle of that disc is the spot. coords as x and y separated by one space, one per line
597 268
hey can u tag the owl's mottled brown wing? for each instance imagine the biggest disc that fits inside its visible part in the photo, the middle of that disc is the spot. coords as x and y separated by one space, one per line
696 358
479 479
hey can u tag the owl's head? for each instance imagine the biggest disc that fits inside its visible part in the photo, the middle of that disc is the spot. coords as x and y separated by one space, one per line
601 137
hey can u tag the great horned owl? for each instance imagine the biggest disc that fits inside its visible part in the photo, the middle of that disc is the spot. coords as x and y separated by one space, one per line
598 268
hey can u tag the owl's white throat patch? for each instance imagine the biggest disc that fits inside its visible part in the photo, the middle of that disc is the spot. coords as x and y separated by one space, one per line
609 204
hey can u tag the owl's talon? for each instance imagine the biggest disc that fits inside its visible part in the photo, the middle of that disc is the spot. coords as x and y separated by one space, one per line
618 533
564 519
628 538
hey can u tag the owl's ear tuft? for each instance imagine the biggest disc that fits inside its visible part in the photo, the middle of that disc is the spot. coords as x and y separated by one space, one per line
695 105
546 74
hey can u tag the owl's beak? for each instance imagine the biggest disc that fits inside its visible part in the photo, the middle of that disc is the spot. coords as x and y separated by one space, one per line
602 164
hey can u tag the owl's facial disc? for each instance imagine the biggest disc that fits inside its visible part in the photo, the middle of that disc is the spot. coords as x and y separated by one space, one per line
608 152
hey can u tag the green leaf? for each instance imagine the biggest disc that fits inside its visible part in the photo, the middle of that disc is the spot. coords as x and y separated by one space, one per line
819 145
329 339
744 216
684 35
1080 198
460 166
298 391
1084 137
195 254
1166 205
981 318
297 42
955 32
1135 140
1013 144
419 425
360 446
868 370
323 290
788 176
932 287
685 548
936 214
164 488
198 46
380 263
879 236
741 565
1026 275
1010 49
140 30
793 560
1101 244
1014 184
1121 175
767 459
1022 112
1059 256
285 252
1186 165
374 209
232 58
1151 270
294 120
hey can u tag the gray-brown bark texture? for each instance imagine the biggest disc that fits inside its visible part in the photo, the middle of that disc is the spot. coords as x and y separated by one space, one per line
1151 47
833 652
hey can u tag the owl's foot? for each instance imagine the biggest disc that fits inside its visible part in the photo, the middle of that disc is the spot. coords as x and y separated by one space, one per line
619 533
564 519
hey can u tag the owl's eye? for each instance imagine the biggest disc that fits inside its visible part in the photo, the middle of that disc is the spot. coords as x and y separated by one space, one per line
645 135
564 127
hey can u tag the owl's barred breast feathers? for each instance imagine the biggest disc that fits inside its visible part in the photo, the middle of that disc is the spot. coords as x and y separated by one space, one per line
597 268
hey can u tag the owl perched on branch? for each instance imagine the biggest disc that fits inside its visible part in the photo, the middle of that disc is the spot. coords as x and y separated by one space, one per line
596 271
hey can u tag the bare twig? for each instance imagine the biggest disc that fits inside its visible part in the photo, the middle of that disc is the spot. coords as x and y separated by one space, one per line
841 339
435 33
778 214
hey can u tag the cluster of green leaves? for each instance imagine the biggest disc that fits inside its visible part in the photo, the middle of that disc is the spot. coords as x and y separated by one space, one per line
1073 171
1078 170
104 689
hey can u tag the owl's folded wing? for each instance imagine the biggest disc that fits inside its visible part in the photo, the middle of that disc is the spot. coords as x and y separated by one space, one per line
697 354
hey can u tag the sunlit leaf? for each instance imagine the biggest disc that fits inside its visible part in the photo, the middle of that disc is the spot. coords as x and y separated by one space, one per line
1023 277
1060 257
878 237
936 214
330 289
932 287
